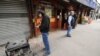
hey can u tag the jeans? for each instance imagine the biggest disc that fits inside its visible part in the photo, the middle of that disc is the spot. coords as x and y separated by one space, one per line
69 31
46 42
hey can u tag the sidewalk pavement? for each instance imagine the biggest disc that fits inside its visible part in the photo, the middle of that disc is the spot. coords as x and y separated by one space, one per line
84 42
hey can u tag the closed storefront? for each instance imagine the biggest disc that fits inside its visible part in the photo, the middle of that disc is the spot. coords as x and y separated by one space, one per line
13 20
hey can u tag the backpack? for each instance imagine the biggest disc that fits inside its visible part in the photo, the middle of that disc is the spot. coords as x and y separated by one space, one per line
73 22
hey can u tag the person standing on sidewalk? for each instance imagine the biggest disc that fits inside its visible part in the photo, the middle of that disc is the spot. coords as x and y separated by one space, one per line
70 22
44 28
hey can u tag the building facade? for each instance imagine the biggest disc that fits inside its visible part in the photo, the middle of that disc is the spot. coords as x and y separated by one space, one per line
18 18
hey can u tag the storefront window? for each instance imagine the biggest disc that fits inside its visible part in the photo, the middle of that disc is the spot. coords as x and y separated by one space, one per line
48 11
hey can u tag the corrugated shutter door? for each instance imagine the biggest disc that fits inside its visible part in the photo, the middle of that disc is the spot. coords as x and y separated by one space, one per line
14 24
12 6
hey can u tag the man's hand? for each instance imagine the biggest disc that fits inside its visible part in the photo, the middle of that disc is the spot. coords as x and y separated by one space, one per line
37 26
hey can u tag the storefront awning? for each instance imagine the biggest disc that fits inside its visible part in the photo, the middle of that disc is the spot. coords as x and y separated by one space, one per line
66 0
89 3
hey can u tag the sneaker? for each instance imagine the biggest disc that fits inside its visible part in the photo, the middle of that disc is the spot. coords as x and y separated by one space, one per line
44 49
46 53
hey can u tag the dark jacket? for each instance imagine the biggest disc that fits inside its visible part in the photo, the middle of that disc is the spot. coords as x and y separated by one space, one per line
75 18
44 27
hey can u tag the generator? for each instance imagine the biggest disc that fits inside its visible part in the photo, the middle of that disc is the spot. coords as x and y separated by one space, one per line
20 48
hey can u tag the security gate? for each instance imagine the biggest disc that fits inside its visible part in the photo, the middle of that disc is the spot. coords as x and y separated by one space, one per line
13 20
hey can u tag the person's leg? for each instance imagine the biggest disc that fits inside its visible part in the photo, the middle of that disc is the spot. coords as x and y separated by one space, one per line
46 42
69 31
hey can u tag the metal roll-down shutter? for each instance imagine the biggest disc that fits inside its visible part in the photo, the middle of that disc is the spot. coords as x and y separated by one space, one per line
14 24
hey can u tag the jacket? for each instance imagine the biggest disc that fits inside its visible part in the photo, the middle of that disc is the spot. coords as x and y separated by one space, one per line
45 24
